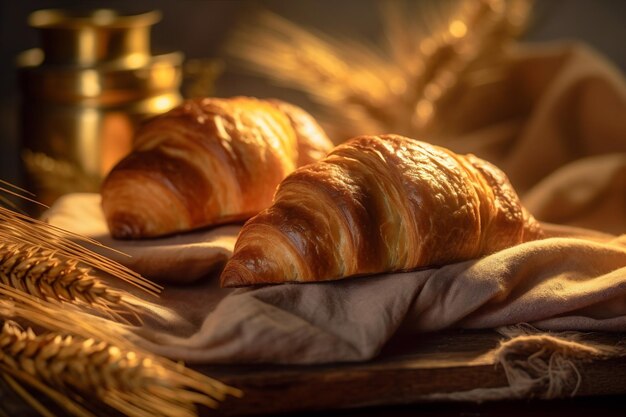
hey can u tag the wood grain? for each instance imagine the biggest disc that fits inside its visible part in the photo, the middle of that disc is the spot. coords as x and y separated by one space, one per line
406 372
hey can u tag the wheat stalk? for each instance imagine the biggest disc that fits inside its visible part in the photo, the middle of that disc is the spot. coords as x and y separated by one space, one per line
344 77
49 263
82 356
465 44
433 53
42 273
120 378
17 227
126 380
82 361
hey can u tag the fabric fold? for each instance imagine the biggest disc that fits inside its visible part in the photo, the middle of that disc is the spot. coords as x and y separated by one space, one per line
554 284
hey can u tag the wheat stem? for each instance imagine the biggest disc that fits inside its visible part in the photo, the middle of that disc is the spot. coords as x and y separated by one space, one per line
61 399
32 401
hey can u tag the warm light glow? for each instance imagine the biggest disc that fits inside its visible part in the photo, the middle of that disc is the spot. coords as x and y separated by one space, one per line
446 78
162 104
135 60
458 29
87 46
423 110
432 92
397 85
164 74
428 46
90 83
88 145
103 17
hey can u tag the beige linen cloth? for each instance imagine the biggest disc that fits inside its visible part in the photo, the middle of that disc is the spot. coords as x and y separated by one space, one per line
556 123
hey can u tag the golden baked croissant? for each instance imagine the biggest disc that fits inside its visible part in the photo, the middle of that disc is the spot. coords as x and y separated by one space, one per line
207 162
379 204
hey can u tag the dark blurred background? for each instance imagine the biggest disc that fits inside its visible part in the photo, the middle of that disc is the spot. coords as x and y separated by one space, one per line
199 29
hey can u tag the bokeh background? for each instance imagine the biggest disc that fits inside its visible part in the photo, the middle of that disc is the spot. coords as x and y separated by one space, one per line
199 28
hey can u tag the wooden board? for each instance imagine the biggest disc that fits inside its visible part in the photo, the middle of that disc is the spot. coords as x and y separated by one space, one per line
406 372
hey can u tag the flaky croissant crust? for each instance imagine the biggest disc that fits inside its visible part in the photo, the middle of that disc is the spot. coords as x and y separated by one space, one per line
207 162
379 204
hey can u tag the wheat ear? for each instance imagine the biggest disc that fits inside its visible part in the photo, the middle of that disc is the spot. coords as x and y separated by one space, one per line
16 227
42 273
125 380
83 355
435 51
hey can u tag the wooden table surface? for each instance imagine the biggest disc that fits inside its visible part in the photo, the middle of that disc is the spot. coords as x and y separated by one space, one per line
400 379
595 406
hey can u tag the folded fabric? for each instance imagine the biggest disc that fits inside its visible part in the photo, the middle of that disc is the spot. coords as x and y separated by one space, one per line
555 284
181 258
588 191
551 117
575 279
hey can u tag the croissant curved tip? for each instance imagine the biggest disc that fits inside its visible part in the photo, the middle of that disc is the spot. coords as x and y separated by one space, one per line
250 266
121 229
234 275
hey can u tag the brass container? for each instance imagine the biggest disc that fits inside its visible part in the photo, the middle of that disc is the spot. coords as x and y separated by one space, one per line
84 93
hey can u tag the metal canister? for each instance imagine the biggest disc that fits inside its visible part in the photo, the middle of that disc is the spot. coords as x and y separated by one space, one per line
84 93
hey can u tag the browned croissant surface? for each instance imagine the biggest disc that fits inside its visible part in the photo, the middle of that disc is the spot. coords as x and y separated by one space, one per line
206 162
379 204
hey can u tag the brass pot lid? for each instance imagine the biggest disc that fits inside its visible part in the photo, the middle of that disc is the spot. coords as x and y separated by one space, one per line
86 38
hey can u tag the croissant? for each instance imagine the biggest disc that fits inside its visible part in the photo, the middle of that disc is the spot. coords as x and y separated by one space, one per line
379 204
207 162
